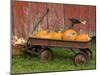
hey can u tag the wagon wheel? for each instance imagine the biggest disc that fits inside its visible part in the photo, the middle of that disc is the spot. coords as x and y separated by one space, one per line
80 59
46 54
88 52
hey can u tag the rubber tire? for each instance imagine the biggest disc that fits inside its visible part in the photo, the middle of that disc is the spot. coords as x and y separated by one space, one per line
88 52
46 54
80 59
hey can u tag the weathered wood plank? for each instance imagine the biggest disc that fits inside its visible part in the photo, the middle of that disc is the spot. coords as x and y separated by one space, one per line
26 15
55 17
20 17
67 15
37 10
92 20
84 12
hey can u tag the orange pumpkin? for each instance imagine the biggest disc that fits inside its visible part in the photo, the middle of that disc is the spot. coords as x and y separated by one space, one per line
41 33
83 37
47 36
69 34
56 35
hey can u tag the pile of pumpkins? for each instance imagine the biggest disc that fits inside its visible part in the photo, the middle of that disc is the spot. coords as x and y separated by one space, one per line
68 35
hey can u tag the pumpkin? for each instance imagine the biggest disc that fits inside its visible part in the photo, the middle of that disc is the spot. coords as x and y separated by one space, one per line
69 34
56 35
41 33
47 36
83 37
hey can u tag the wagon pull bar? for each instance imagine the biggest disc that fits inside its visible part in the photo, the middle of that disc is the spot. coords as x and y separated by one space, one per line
40 20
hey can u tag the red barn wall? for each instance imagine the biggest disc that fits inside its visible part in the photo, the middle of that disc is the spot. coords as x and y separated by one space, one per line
27 14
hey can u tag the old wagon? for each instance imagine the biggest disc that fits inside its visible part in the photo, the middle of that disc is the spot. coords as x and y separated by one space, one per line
42 47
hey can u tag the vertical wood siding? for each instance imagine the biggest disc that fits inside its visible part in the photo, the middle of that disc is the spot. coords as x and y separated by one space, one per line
84 16
55 17
92 20
27 14
21 19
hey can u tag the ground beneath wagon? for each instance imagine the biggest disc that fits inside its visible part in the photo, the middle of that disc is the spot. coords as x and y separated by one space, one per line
62 62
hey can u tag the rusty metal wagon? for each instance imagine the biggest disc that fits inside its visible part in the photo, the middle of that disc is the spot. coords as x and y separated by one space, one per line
42 47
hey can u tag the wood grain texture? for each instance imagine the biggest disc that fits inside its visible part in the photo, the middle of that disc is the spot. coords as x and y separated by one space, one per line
21 19
26 16
55 17
37 10
92 20
84 16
